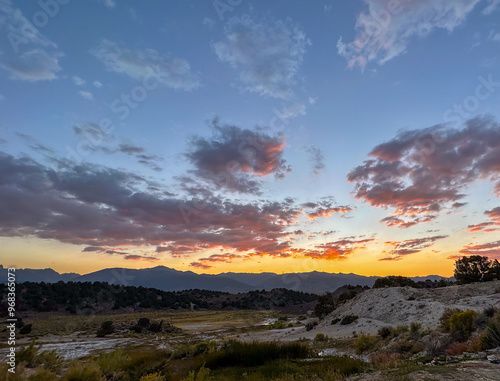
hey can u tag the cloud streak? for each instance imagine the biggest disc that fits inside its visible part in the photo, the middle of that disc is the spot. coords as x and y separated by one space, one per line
174 73
410 246
28 55
386 28
267 54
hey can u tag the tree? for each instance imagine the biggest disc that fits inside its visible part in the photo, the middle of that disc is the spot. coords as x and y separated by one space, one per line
476 269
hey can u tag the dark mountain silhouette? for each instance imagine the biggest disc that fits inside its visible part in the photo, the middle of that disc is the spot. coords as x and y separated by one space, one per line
37 275
167 279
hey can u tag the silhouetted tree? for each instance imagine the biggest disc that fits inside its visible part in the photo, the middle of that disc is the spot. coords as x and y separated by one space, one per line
476 269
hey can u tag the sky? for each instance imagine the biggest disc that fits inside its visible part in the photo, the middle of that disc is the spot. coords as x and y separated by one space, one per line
354 136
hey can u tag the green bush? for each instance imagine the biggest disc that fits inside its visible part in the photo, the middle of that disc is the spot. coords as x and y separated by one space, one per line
364 343
107 328
50 360
42 374
491 336
202 375
182 351
28 354
157 376
80 371
112 363
320 337
348 319
384 332
31 356
204 347
235 353
311 325
415 329
460 324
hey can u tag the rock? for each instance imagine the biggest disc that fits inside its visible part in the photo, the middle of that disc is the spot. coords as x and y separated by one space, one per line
495 358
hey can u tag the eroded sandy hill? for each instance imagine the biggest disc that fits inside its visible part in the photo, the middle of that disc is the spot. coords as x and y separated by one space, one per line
399 305
404 305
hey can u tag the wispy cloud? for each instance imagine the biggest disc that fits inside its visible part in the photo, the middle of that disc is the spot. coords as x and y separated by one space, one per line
386 28
174 73
493 225
109 146
31 56
410 246
87 95
317 158
491 249
493 6
266 53
78 81
338 249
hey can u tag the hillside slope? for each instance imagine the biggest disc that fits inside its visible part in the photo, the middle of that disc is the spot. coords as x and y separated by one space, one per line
403 305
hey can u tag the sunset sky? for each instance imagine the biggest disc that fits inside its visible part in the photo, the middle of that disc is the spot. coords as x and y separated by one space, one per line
231 135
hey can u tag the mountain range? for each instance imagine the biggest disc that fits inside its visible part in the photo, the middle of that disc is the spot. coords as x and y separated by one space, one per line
168 279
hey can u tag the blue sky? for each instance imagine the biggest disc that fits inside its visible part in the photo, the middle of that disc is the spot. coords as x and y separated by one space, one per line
259 118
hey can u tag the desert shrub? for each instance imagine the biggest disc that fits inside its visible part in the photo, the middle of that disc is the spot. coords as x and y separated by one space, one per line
320 337
31 356
26 329
28 354
5 375
348 319
136 328
335 321
139 362
50 360
474 344
384 332
280 324
436 343
204 347
42 374
107 328
311 325
80 371
143 322
491 335
364 343
444 320
386 360
415 329
489 312
235 353
157 376
403 346
182 351
112 363
202 374
456 349
459 324
399 330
